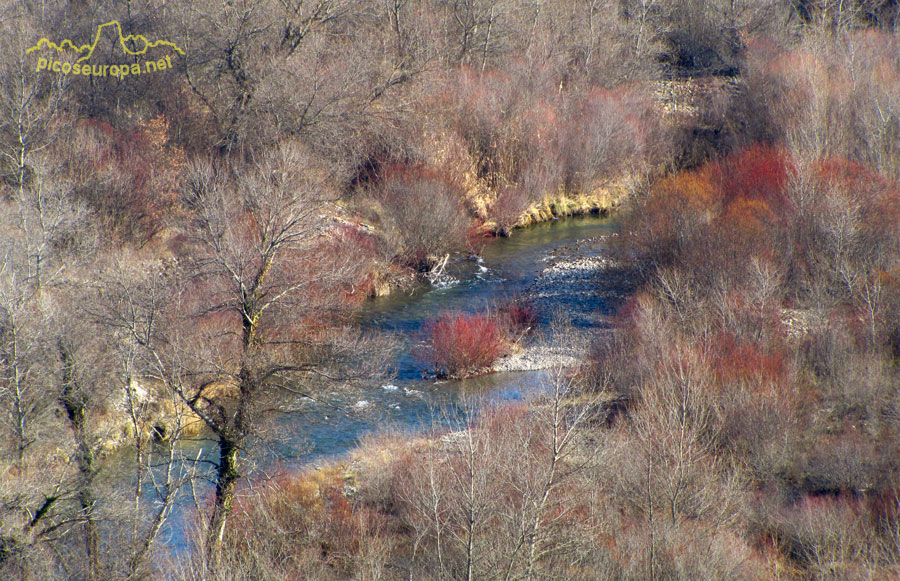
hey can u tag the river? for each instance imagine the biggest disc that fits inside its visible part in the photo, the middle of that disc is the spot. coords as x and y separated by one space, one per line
506 266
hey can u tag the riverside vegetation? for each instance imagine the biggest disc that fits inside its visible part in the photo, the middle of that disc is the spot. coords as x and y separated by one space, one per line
182 255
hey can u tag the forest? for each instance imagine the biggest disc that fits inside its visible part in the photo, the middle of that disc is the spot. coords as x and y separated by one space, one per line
198 198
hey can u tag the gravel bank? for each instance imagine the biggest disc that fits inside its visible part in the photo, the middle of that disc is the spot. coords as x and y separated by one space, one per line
581 285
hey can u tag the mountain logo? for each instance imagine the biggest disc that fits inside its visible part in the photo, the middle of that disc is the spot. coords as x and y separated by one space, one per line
81 67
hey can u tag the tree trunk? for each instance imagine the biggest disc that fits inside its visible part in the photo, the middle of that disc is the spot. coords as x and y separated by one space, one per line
233 434
73 401
226 480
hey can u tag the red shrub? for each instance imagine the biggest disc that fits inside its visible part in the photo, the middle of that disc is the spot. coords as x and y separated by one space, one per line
520 313
746 362
460 343
732 208
759 173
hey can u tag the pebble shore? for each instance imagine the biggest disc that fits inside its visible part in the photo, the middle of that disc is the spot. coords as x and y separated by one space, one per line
581 285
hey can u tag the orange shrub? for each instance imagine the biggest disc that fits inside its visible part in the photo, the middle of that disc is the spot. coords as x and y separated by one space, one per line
675 210
307 526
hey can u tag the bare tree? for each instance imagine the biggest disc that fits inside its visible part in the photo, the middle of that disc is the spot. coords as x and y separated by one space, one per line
265 69
22 354
133 312
504 496
30 106
264 293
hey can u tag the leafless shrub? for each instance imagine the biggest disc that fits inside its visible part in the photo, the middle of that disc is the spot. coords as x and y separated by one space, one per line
421 238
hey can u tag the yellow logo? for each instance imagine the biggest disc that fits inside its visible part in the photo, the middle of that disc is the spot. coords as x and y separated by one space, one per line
142 45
